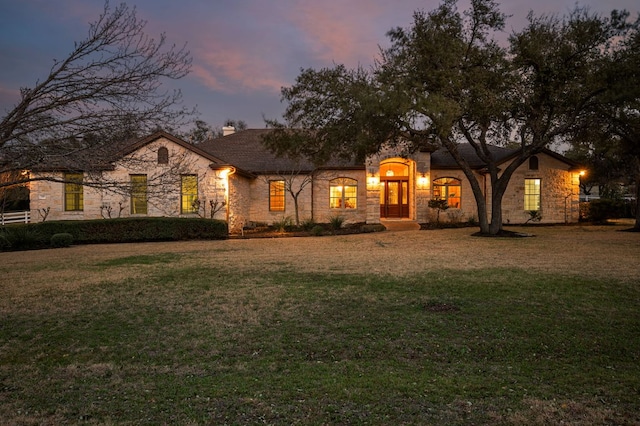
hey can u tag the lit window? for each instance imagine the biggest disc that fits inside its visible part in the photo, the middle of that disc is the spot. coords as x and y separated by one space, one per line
138 194
276 195
448 189
189 194
343 193
163 155
532 194
73 192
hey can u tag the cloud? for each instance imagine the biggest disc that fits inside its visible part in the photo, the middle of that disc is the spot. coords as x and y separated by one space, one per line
226 69
341 32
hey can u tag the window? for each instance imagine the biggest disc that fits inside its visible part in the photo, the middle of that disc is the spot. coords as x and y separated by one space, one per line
447 189
533 163
73 192
276 195
163 155
138 194
189 194
343 193
532 194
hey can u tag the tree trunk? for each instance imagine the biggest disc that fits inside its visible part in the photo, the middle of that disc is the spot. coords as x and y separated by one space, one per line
295 206
481 204
496 213
636 226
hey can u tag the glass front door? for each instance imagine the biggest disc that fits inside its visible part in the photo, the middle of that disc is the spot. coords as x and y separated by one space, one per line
394 198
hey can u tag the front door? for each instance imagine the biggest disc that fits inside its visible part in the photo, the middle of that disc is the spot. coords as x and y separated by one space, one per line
394 198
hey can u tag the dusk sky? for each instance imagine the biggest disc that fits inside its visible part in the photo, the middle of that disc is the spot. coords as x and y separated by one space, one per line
243 51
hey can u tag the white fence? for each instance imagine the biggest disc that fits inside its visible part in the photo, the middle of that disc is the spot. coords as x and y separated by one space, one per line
15 217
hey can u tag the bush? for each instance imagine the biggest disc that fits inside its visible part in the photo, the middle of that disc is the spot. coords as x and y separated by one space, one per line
4 242
24 237
317 230
61 240
308 224
599 211
336 222
284 224
126 230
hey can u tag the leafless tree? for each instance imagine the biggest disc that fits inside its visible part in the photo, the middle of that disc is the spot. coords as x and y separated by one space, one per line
295 181
109 84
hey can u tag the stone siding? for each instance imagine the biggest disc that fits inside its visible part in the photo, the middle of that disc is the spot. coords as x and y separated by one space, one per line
110 197
313 201
559 194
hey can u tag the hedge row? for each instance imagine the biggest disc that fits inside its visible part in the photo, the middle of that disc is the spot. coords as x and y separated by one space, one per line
39 235
598 211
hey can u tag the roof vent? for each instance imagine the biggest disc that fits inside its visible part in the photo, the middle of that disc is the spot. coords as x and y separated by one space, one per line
228 130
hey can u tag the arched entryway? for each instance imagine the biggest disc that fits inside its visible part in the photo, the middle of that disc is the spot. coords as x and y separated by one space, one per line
395 189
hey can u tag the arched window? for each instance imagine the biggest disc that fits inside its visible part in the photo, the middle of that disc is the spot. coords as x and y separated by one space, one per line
448 189
163 155
533 163
343 193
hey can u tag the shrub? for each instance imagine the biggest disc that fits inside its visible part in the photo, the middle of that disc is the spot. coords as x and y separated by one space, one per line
534 216
4 242
336 222
599 211
61 240
317 230
284 224
25 237
439 205
308 224
126 230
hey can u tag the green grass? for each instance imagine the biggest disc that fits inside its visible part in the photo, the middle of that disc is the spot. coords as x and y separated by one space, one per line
209 346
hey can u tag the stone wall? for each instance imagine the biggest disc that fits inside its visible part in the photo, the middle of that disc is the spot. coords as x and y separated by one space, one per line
313 201
559 194
107 195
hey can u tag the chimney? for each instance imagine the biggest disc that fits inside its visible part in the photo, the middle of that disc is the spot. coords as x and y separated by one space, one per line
228 130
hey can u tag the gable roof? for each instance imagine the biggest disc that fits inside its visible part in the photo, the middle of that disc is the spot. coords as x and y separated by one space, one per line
442 158
246 151
162 134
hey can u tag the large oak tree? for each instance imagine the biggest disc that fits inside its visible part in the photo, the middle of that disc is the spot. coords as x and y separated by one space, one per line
445 80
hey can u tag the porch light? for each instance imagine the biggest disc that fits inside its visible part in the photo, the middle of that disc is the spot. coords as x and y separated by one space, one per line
582 172
372 181
423 181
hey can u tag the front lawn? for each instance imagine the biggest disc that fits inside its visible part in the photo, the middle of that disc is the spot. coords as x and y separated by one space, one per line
185 333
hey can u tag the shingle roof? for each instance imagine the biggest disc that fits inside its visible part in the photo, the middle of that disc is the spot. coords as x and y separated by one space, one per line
246 151
442 159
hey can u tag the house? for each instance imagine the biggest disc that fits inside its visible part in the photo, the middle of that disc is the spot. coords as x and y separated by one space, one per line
237 179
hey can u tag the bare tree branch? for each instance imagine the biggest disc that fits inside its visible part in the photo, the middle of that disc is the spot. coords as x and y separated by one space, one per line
110 79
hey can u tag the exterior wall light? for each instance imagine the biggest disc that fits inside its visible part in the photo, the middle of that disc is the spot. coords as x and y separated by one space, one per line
423 181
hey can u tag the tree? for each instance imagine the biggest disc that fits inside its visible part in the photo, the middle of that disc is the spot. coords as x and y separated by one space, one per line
598 150
445 81
295 181
110 84
620 110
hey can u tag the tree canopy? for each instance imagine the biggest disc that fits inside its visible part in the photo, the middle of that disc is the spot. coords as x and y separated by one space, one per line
445 80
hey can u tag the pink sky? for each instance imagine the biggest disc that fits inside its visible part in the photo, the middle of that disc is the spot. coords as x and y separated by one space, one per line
243 51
